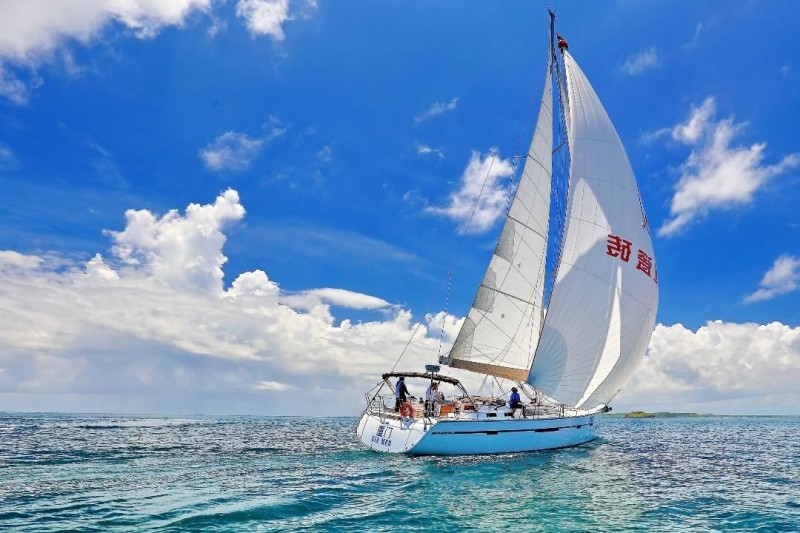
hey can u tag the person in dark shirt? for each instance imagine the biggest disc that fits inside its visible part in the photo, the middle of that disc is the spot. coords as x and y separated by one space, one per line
400 392
515 402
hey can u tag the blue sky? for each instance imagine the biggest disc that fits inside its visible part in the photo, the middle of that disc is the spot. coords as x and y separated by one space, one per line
328 148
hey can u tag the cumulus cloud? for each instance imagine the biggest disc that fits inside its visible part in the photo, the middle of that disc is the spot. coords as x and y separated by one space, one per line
151 327
783 277
638 63
182 251
31 29
722 367
717 174
483 193
437 108
11 260
445 325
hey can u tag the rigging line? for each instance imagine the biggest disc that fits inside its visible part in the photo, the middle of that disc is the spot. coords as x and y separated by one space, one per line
434 297
528 114
446 305
454 261
483 383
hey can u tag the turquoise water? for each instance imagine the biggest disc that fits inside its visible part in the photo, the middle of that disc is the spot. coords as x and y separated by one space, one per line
139 473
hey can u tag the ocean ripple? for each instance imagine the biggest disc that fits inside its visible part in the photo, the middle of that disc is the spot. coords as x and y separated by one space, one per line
128 473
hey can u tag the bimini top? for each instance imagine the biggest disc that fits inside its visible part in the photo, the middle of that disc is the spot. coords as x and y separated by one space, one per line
424 375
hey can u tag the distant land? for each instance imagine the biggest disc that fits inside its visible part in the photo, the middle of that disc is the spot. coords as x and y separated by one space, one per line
661 414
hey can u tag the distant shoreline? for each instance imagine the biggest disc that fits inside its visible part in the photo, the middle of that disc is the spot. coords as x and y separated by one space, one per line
663 414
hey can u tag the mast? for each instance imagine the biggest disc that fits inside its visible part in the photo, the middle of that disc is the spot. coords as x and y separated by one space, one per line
563 112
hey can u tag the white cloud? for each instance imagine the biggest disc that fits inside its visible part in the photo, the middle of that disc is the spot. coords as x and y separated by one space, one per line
150 328
326 154
782 278
717 175
235 151
274 129
183 252
11 260
7 159
638 63
97 268
483 181
721 368
695 38
117 334
425 150
274 386
231 151
698 124
314 298
445 325
12 88
649 137
31 29
267 17
437 108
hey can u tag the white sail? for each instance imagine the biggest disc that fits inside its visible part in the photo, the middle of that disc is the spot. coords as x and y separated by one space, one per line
501 330
602 310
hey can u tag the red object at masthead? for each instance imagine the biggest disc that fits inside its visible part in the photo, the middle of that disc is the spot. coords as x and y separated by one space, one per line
562 43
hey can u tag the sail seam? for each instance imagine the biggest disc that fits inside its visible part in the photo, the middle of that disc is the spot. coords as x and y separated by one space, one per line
526 226
512 297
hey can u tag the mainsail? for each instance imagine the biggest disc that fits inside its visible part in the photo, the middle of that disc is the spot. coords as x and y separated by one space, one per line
501 330
603 304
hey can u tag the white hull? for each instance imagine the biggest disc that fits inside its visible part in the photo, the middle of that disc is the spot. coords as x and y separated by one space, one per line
471 436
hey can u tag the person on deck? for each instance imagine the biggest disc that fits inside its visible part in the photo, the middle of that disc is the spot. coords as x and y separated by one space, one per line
515 402
438 400
400 392
430 399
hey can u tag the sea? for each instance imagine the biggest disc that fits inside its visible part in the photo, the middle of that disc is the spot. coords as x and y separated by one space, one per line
96 472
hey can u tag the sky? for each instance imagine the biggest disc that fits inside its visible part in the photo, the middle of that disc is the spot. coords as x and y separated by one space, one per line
252 206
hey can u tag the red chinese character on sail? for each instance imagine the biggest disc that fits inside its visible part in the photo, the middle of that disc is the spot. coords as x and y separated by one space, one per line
618 247
645 263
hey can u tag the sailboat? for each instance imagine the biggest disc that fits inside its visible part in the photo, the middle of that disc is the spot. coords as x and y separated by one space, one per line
568 347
